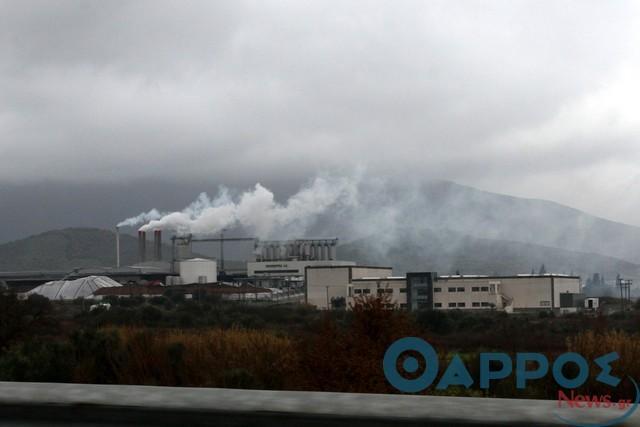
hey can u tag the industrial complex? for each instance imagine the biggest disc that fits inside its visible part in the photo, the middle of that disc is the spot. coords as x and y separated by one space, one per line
306 271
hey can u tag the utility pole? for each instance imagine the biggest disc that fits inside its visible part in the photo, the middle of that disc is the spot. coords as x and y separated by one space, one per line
625 292
222 250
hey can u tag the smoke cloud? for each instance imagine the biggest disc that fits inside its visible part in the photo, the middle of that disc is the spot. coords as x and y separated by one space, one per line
255 210
153 214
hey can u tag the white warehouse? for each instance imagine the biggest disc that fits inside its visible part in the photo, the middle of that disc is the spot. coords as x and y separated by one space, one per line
325 285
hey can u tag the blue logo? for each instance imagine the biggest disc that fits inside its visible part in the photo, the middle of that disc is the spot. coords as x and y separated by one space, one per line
456 374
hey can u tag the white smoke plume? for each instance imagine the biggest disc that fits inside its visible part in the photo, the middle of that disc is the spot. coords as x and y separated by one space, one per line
153 214
256 210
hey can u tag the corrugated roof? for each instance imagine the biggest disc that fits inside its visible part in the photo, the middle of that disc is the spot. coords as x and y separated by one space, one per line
72 289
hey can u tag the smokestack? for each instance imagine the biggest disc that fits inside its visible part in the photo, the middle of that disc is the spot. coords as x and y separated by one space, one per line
157 245
142 246
117 247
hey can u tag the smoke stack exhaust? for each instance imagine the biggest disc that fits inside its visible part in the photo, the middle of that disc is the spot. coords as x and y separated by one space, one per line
142 246
157 245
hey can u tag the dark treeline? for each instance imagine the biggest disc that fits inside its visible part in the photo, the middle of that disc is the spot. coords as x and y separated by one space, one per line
207 342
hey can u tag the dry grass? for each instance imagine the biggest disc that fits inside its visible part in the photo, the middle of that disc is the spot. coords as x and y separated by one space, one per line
208 358
592 345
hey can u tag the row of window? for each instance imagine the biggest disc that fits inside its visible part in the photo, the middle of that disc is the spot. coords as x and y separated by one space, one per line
381 291
461 289
462 304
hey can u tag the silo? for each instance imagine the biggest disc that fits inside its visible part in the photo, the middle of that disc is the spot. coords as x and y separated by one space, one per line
325 251
332 251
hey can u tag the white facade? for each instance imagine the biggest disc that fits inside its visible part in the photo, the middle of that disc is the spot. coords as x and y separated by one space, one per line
467 292
325 284
522 292
287 268
198 270
592 303
393 288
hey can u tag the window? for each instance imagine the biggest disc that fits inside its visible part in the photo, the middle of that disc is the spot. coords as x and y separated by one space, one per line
475 304
389 291
357 291
423 291
366 291
403 306
452 289
452 304
460 289
380 291
437 289
437 304
475 289
462 304
485 289
403 290
486 304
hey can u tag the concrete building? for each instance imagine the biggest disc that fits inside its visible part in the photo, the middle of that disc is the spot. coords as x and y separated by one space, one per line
198 270
394 289
333 286
426 290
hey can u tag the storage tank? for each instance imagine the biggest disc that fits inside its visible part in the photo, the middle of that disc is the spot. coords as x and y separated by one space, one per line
325 251
197 270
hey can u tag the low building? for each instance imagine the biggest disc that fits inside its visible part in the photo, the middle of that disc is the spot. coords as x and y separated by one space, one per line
427 290
242 292
332 285
511 293
392 289
198 270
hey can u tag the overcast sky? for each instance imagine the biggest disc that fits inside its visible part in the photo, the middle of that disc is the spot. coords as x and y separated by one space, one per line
536 99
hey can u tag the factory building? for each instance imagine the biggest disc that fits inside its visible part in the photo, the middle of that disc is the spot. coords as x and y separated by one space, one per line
198 270
330 286
282 263
510 293
428 291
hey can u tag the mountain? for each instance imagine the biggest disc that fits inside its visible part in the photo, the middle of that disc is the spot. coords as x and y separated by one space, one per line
64 250
387 208
447 252
67 249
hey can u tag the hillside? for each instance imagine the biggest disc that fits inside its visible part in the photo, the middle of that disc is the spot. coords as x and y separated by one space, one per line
67 249
387 208
447 252
70 248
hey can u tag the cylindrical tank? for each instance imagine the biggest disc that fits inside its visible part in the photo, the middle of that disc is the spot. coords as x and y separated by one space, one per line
332 252
325 251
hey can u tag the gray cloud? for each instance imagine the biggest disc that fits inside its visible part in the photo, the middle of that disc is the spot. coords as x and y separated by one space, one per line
528 98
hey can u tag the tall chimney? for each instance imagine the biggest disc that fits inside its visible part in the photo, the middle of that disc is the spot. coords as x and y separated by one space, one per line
117 247
157 245
142 246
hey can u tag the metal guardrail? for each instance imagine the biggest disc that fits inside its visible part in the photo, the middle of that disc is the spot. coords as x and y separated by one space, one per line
38 404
